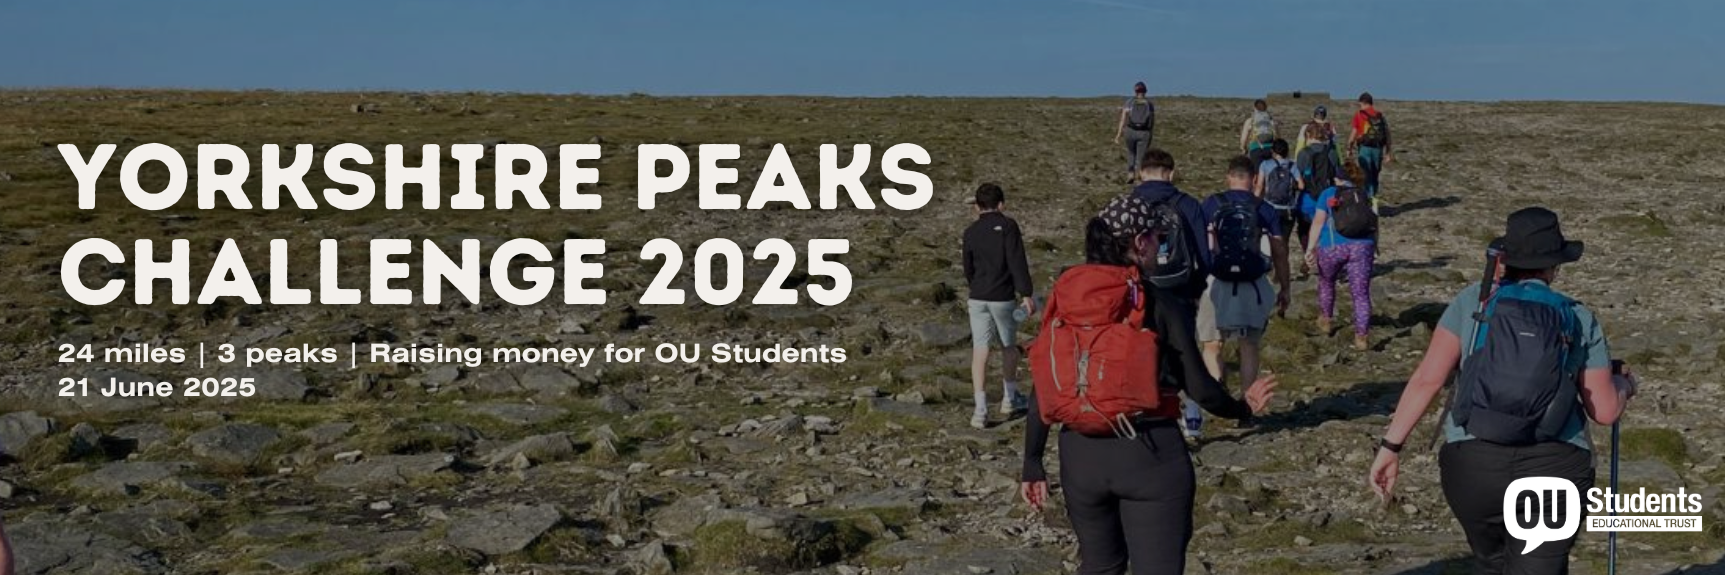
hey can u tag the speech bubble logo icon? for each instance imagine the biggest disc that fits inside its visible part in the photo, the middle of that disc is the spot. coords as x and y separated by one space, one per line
1541 509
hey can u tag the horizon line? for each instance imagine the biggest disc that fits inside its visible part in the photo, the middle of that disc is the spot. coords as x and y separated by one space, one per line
648 94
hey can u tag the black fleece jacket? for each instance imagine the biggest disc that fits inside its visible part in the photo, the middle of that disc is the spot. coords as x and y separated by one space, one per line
994 262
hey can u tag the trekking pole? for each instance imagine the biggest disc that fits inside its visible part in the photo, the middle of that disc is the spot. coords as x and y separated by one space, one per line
1611 539
1487 286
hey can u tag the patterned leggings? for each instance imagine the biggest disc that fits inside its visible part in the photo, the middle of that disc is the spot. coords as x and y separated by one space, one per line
1357 258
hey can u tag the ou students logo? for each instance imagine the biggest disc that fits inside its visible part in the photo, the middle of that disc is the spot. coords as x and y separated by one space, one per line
1541 509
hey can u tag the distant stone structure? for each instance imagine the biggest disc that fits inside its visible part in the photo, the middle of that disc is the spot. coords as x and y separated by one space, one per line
1297 95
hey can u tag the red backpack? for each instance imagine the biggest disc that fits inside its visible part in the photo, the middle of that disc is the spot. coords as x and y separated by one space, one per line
1094 364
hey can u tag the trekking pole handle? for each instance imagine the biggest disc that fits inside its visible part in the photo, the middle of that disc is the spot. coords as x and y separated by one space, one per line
1487 286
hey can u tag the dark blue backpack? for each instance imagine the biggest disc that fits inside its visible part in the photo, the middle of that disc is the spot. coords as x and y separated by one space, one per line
1238 256
1519 386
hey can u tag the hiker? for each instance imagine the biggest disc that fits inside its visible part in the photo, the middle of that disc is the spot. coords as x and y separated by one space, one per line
998 274
1343 238
1182 263
1130 487
1320 129
1137 120
1492 439
1239 301
1318 162
1258 132
1279 185
1371 141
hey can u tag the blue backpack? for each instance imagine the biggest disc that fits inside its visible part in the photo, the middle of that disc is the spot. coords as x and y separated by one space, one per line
1519 386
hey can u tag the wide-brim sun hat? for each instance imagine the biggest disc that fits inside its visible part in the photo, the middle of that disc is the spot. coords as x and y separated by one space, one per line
1533 239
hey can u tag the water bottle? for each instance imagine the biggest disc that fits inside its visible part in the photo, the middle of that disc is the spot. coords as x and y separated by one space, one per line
1019 315
1194 417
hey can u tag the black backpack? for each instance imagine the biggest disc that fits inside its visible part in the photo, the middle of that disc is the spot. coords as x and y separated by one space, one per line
1377 131
1142 116
1351 214
1279 185
1175 265
1238 257
1319 167
1518 386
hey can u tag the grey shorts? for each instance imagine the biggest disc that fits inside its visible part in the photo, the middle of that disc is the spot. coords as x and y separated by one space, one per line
991 324
1231 311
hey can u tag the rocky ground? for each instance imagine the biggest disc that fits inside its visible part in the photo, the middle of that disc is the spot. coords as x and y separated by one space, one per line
863 467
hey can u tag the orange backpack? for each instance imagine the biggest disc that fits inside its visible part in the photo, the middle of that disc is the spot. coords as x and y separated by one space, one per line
1094 364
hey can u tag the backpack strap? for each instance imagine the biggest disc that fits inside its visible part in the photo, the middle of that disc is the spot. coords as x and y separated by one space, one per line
1135 293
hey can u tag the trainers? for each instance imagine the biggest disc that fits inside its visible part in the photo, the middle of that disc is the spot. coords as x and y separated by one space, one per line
1324 327
979 419
1361 343
1013 405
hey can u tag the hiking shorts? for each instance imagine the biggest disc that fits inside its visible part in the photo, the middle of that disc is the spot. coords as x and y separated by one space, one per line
1295 225
992 324
1235 311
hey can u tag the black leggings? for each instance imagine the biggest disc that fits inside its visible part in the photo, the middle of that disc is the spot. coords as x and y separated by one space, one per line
1129 498
1475 475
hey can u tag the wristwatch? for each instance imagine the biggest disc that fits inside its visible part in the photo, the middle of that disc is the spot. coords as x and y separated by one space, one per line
1390 445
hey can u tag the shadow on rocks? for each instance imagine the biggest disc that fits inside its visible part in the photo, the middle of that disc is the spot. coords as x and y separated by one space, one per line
1362 400
1417 205
1716 568
1437 567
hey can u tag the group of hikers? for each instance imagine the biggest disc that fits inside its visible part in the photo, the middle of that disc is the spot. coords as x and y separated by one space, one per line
1168 278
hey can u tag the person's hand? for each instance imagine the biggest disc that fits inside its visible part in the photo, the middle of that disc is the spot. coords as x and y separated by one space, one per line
1312 258
1383 474
1034 493
1259 394
1116 139
1029 305
1282 300
1625 382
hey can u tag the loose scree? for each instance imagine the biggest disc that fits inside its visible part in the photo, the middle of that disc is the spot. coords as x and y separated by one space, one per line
230 275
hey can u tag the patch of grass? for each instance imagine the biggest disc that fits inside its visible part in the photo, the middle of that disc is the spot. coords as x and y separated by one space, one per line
1282 533
1286 566
1656 443
291 416
1648 225
563 545
657 427
1647 356
728 545
867 421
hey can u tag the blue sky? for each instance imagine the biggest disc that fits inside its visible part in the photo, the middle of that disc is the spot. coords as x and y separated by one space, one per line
1428 49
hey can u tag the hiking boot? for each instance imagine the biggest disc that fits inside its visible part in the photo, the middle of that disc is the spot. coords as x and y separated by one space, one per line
1361 343
1014 404
979 418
